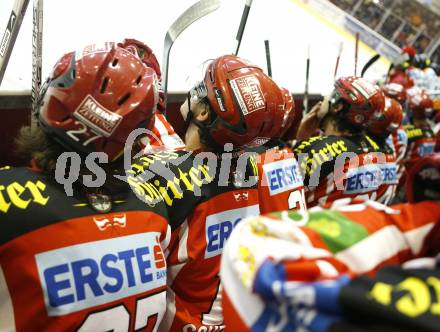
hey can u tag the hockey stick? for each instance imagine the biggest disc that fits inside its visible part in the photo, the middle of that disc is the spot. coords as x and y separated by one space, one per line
269 65
37 55
244 16
370 63
337 60
356 52
306 90
192 14
10 34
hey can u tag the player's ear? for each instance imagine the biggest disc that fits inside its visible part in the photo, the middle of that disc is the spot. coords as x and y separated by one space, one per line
202 113
338 107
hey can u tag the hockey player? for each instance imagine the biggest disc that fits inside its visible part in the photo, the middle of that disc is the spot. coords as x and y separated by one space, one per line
382 128
399 139
398 72
293 272
280 184
88 256
421 139
344 162
211 186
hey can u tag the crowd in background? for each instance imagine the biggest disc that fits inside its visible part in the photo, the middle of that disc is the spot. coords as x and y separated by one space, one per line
403 22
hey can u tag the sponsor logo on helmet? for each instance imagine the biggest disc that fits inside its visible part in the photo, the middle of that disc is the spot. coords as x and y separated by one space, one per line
257 142
97 117
365 88
395 88
219 97
248 93
94 48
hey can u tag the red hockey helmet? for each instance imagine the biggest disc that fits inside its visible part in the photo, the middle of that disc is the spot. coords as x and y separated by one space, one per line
419 102
243 102
395 91
147 56
361 99
388 120
143 52
95 98
411 51
423 181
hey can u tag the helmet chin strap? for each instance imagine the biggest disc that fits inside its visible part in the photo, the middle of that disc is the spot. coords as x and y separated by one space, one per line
205 130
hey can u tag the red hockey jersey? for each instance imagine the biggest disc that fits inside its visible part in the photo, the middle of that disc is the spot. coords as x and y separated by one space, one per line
338 166
421 142
280 184
66 267
161 137
205 201
398 140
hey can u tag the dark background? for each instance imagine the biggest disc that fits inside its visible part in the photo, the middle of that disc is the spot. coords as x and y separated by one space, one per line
15 113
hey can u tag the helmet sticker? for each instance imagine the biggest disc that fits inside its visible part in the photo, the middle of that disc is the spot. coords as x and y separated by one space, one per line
258 141
248 92
97 117
365 88
94 48
220 100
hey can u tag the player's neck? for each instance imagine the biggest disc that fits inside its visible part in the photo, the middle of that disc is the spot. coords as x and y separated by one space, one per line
420 123
192 138
331 129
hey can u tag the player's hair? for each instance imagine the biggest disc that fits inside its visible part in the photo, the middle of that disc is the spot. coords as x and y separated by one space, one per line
340 121
33 143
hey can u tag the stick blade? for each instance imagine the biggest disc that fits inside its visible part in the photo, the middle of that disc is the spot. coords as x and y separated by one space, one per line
369 64
188 17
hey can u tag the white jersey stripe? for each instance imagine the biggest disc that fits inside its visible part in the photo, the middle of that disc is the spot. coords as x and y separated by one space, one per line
373 250
416 237
182 254
167 321
248 305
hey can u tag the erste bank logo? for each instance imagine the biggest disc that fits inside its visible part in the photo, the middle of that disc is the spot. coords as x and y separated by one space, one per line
282 176
369 177
220 225
90 274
